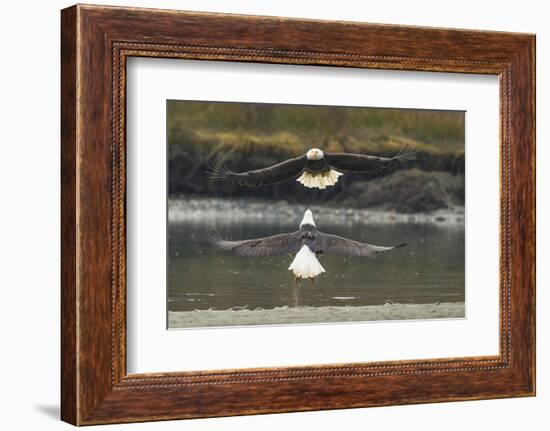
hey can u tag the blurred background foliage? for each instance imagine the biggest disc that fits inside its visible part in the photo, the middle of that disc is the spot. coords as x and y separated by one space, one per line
246 136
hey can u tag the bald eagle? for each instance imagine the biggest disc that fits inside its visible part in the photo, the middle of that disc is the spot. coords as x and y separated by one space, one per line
315 169
306 244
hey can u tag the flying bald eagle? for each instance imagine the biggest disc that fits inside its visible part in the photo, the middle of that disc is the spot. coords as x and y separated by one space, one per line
315 169
306 243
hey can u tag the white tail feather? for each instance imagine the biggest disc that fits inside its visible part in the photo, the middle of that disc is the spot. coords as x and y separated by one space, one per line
306 264
320 180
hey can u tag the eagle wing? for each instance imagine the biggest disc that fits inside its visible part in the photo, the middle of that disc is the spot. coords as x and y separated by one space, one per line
288 169
276 245
325 243
348 162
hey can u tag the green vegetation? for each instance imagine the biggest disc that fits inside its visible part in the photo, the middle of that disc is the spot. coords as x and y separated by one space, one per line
246 136
296 128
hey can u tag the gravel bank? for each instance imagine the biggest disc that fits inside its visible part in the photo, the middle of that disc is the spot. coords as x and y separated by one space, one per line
293 315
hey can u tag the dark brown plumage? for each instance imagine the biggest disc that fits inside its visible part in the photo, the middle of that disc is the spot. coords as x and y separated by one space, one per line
314 168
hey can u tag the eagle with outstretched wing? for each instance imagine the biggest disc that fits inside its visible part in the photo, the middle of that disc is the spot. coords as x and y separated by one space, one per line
306 244
315 169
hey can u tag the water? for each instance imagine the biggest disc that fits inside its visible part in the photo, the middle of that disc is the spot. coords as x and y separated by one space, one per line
201 277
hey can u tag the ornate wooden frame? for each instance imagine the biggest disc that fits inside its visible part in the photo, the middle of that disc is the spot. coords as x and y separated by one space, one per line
96 41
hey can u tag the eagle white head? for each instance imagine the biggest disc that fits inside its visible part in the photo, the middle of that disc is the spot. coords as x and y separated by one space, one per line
308 218
315 154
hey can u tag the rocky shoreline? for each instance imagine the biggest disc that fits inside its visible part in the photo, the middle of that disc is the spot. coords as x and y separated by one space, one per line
199 209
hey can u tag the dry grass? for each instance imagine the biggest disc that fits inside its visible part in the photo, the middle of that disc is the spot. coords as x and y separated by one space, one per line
291 129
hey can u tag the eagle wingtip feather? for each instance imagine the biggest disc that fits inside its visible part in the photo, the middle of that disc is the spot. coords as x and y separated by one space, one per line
217 240
407 154
217 172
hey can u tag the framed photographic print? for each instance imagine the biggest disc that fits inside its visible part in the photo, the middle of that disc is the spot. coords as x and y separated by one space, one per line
266 215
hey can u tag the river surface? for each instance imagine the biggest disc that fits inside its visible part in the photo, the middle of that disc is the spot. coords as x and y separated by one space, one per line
201 277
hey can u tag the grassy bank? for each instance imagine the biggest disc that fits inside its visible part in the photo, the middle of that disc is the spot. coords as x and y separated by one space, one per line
249 136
